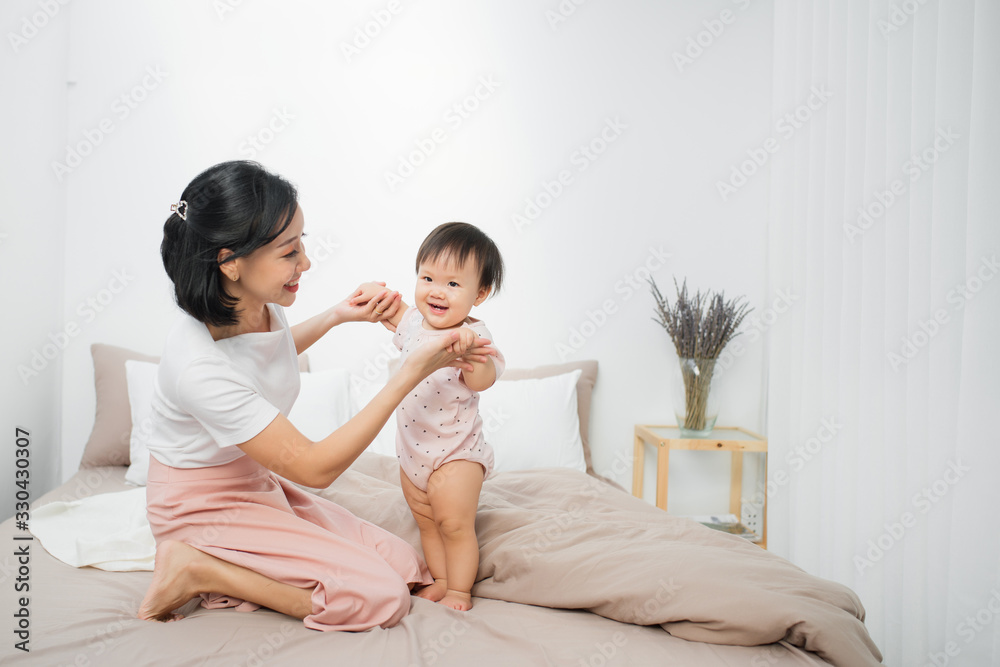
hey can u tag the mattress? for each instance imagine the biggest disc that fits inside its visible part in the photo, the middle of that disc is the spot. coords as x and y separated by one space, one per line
573 572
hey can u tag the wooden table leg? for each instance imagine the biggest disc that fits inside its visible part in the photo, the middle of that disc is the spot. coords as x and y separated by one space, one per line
662 473
763 510
736 484
638 466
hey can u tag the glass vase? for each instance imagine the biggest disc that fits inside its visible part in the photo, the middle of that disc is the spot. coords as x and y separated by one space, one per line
695 402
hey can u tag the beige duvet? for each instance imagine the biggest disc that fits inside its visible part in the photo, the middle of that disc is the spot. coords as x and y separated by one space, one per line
573 572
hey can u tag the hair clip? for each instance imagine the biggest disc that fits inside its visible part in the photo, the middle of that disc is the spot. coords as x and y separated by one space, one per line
181 209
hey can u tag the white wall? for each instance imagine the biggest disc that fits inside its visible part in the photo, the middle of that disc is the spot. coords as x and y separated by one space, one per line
223 77
33 66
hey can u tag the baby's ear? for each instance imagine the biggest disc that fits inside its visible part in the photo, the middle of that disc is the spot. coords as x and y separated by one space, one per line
483 293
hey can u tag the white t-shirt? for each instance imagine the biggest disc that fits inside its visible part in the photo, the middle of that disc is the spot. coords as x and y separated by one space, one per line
211 395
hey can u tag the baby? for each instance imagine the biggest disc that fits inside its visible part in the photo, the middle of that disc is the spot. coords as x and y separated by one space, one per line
442 454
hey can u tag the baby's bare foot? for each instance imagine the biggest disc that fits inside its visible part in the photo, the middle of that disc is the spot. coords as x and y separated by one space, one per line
175 581
433 592
457 600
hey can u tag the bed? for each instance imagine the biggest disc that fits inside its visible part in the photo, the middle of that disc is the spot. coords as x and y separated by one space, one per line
574 571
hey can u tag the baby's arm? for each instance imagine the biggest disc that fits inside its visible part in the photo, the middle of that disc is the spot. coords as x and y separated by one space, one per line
483 373
392 322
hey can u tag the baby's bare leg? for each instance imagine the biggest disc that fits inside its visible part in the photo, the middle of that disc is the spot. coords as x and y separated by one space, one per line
453 491
182 572
430 539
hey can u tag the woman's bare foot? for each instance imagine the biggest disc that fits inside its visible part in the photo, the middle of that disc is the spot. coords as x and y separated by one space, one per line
176 580
457 600
435 591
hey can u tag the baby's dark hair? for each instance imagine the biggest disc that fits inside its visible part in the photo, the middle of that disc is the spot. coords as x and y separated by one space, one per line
461 241
237 205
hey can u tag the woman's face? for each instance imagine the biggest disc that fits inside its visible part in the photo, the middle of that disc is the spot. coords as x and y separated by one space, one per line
271 273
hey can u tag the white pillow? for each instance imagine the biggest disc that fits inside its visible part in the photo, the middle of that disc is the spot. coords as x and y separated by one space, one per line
323 405
140 377
362 392
531 423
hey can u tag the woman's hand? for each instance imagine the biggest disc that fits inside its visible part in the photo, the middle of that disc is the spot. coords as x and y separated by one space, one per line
370 302
454 349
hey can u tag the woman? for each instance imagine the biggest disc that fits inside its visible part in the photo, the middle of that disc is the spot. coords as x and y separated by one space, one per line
227 527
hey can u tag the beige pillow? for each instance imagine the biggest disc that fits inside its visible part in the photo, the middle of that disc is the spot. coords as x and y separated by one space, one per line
108 442
109 439
584 390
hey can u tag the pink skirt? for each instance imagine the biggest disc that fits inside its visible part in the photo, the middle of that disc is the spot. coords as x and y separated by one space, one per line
243 513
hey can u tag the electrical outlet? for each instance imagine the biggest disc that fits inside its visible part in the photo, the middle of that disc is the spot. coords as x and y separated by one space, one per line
752 516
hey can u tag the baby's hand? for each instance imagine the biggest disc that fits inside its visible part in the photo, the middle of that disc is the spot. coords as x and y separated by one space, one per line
365 292
437 353
370 302
466 338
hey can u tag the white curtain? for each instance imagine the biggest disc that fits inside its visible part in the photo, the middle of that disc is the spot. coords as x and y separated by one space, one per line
885 222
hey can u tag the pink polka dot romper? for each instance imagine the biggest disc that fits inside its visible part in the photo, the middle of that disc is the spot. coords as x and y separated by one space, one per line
439 421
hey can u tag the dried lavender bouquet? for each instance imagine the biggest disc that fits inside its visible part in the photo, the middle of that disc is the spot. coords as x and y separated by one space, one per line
700 327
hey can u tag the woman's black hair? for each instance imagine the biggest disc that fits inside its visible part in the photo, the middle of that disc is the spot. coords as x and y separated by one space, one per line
461 241
237 205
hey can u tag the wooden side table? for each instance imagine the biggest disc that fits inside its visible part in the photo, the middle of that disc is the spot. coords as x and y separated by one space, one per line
722 439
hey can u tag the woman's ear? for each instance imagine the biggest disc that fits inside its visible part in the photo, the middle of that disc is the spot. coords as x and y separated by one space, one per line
483 293
227 266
